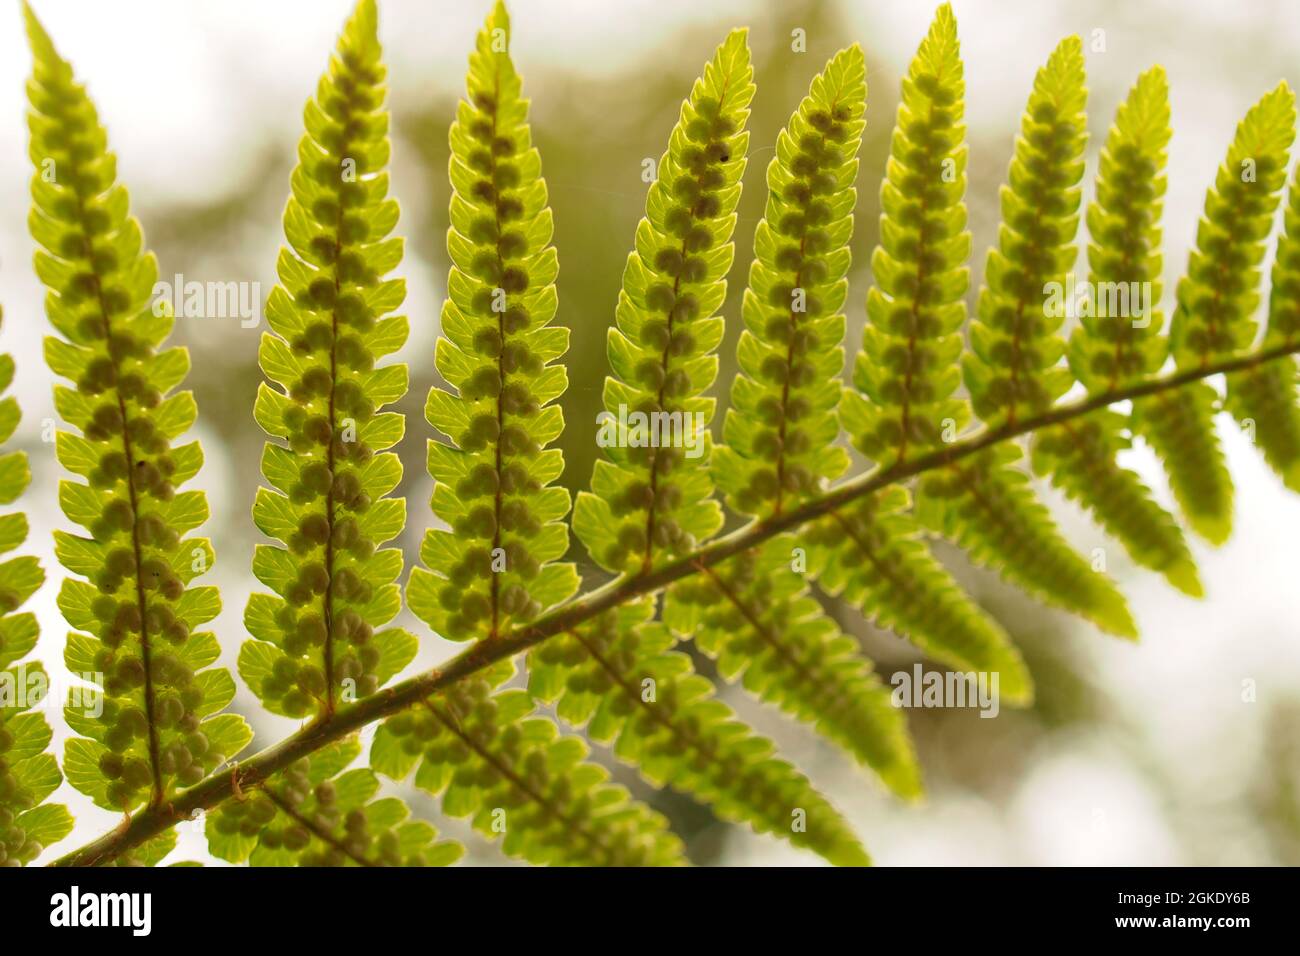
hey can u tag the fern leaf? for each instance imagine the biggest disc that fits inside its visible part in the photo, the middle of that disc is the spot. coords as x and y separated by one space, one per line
320 637
780 430
1267 395
27 773
135 618
1108 351
752 612
1013 366
318 813
650 501
1014 369
1212 316
906 372
1080 458
618 677
756 617
1262 399
873 555
492 759
496 564
988 508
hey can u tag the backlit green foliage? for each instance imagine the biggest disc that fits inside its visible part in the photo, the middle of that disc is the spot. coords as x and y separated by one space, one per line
1221 315
27 773
1114 344
780 430
495 565
755 613
619 678
871 554
1216 300
1013 367
494 760
756 616
317 813
135 619
1267 395
906 373
321 638
609 662
649 503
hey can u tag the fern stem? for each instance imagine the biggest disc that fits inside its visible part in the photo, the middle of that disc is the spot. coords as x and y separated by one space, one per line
222 785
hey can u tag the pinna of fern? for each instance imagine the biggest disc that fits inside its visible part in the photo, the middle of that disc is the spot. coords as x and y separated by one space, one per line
496 564
754 613
321 637
650 501
493 759
1215 301
319 813
1013 368
872 553
619 679
134 614
1214 318
1271 389
28 774
1107 350
482 749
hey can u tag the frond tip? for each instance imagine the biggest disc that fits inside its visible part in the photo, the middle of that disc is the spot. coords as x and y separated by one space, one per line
130 601
649 503
320 638
496 565
780 429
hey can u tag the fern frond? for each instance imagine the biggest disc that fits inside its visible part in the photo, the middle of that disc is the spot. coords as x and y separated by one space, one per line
1267 395
650 502
988 508
1013 368
1215 302
754 614
780 430
135 617
872 555
320 638
491 758
27 773
618 677
496 564
1107 351
1263 399
318 813
906 373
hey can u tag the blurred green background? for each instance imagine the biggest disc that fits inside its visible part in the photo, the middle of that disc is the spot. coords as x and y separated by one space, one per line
1145 754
